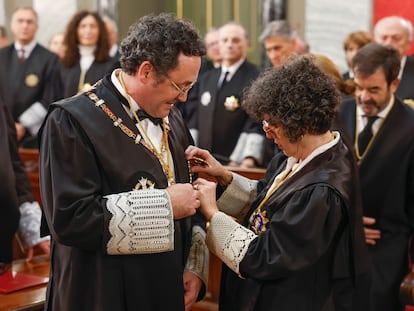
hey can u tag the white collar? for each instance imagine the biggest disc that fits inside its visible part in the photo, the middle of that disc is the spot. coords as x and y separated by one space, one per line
28 48
86 50
402 65
292 163
231 69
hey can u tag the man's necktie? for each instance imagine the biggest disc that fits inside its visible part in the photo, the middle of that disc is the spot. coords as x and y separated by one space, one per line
224 81
22 57
143 115
366 134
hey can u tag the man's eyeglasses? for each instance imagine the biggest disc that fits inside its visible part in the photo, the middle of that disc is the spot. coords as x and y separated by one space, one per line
183 90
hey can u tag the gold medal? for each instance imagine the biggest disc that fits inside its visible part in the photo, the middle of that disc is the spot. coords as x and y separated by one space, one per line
144 183
231 103
31 80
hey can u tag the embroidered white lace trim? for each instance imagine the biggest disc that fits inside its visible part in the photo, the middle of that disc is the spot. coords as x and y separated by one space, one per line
29 224
238 196
198 259
228 240
142 222
248 145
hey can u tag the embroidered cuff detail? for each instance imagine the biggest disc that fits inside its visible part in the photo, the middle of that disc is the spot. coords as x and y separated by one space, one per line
29 224
228 240
253 147
248 145
198 259
237 197
33 117
142 222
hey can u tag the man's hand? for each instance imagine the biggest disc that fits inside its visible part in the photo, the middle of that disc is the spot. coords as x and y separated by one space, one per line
184 200
371 235
44 246
20 130
192 286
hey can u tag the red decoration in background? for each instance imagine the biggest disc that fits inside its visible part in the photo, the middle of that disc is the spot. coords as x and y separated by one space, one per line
403 8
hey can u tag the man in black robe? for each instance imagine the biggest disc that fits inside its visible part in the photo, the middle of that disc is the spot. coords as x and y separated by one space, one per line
18 208
386 169
29 79
213 111
397 32
116 186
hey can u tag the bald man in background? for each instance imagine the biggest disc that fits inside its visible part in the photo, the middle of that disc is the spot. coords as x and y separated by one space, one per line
397 32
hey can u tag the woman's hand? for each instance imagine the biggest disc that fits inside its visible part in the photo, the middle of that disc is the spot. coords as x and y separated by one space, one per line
207 196
203 162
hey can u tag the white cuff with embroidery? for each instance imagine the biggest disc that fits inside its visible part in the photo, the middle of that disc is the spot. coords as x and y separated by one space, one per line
142 222
29 224
33 117
248 145
198 259
238 196
228 240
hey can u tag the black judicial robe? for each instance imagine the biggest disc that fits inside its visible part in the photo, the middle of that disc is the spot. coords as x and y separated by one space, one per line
219 128
70 75
34 80
405 89
15 187
83 158
309 241
387 187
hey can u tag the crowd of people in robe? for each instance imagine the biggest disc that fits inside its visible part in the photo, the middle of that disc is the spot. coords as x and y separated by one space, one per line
225 111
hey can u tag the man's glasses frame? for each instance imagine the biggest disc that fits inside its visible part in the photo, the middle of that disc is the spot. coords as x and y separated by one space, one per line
183 90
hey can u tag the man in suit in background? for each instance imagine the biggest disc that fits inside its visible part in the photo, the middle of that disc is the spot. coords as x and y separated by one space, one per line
212 59
29 79
397 32
279 40
3 37
382 128
113 35
217 121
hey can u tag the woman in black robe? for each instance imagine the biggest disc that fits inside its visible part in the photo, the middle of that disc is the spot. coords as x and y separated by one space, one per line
298 227
86 59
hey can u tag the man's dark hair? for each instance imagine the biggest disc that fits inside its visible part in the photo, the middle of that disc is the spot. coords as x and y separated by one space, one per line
373 56
298 97
159 39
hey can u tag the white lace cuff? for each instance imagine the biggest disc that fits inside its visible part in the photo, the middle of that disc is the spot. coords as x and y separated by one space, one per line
237 197
248 145
228 240
142 222
29 224
33 117
198 259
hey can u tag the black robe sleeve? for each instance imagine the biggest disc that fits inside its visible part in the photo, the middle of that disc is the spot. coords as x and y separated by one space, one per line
74 209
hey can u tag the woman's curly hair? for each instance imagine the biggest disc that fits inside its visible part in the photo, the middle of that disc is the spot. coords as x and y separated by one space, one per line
159 39
298 97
